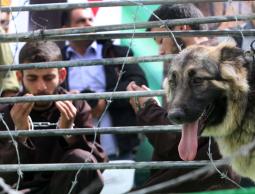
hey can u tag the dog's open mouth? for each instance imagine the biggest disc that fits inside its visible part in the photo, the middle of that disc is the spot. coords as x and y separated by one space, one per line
189 141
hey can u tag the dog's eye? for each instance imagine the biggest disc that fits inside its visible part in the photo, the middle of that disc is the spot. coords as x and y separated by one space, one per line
197 81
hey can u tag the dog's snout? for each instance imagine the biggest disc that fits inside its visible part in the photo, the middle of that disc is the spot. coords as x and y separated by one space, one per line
176 115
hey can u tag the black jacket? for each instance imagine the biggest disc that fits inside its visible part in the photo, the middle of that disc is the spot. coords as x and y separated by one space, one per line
120 110
39 150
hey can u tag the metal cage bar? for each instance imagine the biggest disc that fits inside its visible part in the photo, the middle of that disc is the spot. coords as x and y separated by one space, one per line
94 166
76 63
129 26
42 35
83 96
124 35
64 6
101 130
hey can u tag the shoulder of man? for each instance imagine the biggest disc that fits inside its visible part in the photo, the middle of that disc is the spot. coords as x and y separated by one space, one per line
111 50
239 39
63 52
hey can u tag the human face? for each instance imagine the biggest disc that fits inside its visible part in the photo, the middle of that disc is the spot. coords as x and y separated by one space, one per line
41 82
81 18
166 44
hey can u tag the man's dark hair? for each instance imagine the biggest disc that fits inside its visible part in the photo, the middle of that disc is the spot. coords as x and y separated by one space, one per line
66 17
178 11
42 51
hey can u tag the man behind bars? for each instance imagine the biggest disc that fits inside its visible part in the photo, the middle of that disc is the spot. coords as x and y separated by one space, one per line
9 85
101 78
58 115
150 113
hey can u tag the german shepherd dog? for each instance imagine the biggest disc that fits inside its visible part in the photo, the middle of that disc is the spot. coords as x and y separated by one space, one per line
211 92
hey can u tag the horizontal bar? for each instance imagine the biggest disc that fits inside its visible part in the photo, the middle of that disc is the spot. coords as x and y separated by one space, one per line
127 35
94 166
209 169
83 96
63 6
101 130
76 63
138 25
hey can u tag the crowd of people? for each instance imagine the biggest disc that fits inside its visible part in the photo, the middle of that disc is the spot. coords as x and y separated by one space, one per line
135 111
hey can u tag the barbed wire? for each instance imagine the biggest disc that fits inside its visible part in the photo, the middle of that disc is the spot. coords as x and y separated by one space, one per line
109 101
224 175
14 142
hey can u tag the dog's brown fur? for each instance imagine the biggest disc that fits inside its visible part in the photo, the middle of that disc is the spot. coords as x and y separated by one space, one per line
220 77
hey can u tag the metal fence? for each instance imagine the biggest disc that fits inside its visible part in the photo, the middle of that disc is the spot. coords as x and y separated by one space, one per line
102 32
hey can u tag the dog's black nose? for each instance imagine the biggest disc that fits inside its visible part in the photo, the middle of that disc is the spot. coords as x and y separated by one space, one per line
176 115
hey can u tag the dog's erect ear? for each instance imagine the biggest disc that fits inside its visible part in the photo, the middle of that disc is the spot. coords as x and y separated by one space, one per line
227 51
230 53
232 66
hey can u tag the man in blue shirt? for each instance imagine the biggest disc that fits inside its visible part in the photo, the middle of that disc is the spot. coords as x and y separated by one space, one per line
103 79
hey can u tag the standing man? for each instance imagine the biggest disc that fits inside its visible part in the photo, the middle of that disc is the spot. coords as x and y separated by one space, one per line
150 113
103 79
59 114
8 82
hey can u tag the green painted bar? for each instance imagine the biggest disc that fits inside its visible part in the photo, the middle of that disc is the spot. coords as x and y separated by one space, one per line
230 191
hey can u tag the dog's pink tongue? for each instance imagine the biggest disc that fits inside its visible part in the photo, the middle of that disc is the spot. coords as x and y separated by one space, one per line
188 145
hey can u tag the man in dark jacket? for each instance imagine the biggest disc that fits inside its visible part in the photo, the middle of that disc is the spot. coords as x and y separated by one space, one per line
59 114
103 79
